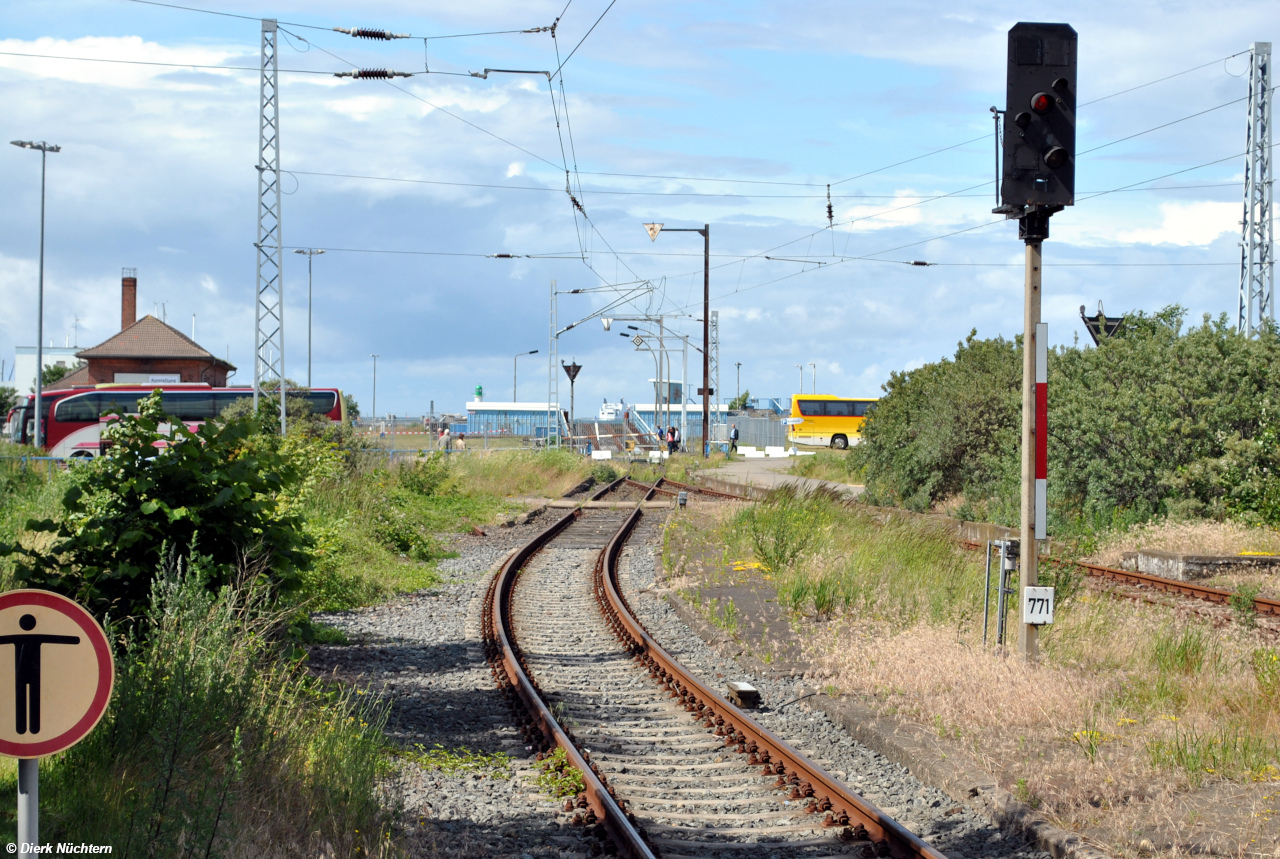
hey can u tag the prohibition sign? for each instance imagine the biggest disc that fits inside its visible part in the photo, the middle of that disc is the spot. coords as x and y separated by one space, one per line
56 673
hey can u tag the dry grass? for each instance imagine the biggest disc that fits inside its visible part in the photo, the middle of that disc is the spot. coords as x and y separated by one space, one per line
1190 537
1131 711
1135 714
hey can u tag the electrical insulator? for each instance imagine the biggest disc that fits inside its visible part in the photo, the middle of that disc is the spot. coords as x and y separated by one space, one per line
367 33
372 74
830 211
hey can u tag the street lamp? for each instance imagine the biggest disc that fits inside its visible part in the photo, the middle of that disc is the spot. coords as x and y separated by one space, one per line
800 367
45 149
514 397
705 390
373 411
310 252
738 365
815 378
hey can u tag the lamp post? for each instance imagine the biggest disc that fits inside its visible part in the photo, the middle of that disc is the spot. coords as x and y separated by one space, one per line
705 390
373 410
738 366
45 149
800 367
514 397
310 252
815 377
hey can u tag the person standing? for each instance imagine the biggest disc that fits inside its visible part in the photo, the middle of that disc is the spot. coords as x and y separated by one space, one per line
675 431
733 439
462 442
671 440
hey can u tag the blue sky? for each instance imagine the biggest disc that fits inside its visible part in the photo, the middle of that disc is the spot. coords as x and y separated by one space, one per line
765 103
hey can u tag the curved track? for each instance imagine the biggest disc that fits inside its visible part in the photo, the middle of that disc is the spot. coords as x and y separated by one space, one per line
670 768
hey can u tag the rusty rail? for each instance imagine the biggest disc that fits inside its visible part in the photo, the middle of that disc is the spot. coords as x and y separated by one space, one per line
857 818
539 726
1262 605
687 488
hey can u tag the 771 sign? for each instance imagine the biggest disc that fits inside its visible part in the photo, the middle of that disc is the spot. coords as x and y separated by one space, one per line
1037 606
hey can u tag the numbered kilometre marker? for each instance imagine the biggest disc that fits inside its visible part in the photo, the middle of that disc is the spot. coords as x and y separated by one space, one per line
56 673
1037 606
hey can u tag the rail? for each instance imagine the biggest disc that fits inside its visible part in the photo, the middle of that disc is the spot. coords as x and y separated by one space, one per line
858 818
1262 605
602 806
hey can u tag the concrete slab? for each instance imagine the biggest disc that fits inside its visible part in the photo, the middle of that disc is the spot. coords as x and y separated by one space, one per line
762 473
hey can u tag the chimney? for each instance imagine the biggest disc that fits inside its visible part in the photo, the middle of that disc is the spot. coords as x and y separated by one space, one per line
128 297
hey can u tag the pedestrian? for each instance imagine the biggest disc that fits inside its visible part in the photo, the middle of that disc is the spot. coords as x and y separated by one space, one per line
671 440
447 438
675 431
733 439
462 442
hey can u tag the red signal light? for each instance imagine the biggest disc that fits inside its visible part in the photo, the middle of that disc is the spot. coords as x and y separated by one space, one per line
1041 102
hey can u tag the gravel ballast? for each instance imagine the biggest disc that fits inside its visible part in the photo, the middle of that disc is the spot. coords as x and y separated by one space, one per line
422 654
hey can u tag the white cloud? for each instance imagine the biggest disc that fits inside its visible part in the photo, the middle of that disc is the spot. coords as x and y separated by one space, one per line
116 74
1185 224
515 168
209 284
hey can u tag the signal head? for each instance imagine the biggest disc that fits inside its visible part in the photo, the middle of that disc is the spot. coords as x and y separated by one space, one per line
1042 102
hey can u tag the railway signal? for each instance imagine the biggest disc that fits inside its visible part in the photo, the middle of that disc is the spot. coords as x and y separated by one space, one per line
1037 181
1040 117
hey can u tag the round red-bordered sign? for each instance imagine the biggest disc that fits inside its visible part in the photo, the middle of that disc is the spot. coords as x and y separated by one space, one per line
83 673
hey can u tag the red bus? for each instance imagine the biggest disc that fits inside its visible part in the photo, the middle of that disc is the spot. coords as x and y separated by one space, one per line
72 416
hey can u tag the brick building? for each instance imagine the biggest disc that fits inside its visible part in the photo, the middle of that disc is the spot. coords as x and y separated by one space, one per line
146 351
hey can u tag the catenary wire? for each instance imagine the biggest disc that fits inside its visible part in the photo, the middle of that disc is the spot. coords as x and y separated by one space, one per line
257 69
584 38
313 26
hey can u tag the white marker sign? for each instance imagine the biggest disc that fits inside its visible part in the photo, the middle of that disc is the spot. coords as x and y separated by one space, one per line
1037 606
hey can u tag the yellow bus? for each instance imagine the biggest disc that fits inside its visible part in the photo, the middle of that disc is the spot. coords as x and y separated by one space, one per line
824 419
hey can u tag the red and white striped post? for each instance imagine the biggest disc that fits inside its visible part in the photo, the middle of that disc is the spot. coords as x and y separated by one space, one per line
1042 429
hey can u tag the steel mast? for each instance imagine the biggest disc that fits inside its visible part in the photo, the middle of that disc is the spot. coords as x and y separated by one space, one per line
1257 239
268 360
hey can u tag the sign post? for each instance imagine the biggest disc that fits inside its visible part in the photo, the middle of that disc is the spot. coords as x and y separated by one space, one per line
53 690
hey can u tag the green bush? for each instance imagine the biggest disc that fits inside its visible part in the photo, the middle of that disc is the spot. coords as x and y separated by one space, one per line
164 490
1155 420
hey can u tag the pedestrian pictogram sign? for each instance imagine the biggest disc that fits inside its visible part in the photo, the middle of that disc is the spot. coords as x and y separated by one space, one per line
56 673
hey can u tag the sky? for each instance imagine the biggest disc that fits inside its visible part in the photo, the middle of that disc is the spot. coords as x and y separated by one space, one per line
736 115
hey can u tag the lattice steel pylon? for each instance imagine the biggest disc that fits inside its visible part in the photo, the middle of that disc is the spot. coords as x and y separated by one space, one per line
268 362
714 337
1257 239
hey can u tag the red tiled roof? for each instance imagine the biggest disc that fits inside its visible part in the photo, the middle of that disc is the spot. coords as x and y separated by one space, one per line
151 338
78 377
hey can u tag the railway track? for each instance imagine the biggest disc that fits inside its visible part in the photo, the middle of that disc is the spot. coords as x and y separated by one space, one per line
670 768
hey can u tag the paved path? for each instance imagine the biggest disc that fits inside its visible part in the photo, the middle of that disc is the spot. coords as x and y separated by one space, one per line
770 473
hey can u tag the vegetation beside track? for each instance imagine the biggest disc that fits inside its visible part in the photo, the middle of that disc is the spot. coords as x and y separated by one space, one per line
1156 421
217 736
1133 710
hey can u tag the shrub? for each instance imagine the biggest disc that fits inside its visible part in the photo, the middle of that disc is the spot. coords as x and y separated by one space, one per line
1155 420
213 743
163 490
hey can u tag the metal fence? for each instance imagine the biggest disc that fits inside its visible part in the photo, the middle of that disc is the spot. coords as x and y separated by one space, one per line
760 432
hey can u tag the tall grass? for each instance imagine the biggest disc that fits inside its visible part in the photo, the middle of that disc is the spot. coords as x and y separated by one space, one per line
1128 700
826 554
215 744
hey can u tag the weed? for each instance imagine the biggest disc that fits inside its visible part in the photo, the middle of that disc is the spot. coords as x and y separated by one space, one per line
1181 651
459 761
1242 605
727 617
558 777
1226 753
1265 662
1023 793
